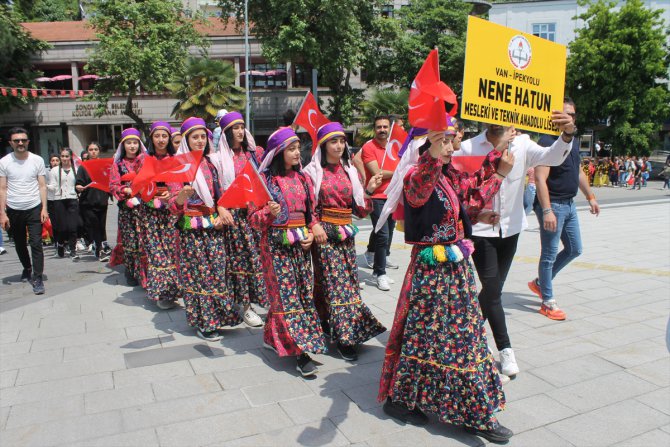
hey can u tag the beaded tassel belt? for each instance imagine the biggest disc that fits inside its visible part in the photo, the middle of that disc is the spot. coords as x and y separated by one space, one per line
434 254
187 222
132 202
336 216
156 203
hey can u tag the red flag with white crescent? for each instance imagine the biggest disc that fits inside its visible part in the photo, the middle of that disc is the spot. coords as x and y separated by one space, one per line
248 187
467 163
178 168
428 95
98 171
310 118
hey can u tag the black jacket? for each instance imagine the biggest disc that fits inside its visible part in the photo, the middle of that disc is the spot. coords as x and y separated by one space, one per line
90 197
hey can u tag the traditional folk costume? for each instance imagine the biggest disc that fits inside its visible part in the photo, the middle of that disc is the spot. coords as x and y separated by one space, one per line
292 326
349 321
128 247
244 272
437 358
202 254
159 239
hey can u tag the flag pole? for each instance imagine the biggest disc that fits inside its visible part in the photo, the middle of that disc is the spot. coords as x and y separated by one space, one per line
386 148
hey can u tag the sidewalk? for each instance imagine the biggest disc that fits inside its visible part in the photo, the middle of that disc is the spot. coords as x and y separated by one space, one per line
93 363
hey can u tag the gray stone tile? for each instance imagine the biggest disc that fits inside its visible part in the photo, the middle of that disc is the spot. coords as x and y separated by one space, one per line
45 410
48 344
167 355
107 400
600 391
634 354
76 368
224 363
364 396
567 372
358 425
241 377
8 378
154 373
658 400
539 437
321 433
9 349
183 409
54 331
623 335
533 412
143 438
55 389
274 392
657 372
654 437
186 386
240 424
4 414
569 349
30 359
525 384
328 403
64 431
609 425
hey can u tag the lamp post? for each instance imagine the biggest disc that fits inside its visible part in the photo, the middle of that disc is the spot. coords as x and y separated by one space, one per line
246 61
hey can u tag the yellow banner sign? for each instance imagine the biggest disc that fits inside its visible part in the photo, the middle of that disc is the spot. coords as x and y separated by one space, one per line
511 78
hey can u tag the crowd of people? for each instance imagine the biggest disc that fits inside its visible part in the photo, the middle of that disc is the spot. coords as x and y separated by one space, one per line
295 255
618 172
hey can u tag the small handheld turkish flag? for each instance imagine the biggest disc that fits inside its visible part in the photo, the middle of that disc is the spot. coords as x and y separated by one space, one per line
248 187
396 138
98 170
178 168
310 117
428 95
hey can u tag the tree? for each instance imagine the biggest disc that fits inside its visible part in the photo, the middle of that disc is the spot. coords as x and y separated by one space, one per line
418 28
206 86
47 10
143 44
618 72
16 49
382 102
330 35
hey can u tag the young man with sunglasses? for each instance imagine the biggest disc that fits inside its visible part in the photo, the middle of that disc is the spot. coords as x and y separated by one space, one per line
23 204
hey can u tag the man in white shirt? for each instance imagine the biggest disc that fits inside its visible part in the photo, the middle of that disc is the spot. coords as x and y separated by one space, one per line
495 245
23 204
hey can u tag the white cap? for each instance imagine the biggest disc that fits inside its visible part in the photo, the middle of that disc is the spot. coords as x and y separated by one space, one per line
220 114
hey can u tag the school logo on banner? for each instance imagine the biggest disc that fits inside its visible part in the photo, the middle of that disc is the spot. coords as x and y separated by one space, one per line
519 52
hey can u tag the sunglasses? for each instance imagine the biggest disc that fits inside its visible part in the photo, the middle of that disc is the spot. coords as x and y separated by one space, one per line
20 140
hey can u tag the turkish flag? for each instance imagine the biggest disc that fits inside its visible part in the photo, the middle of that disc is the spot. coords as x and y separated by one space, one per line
467 163
310 118
76 161
98 170
143 178
178 168
395 141
428 95
248 187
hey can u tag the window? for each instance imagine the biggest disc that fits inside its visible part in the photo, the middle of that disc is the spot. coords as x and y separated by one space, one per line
387 10
545 31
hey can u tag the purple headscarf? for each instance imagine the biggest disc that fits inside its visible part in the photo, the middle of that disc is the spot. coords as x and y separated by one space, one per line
277 143
129 134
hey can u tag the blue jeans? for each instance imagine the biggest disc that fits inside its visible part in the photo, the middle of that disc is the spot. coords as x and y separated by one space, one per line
567 231
529 198
382 238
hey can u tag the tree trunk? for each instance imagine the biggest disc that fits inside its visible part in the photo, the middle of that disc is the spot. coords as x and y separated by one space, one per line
128 111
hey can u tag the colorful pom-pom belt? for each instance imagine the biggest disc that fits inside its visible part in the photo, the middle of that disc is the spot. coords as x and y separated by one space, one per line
196 222
336 216
434 254
132 202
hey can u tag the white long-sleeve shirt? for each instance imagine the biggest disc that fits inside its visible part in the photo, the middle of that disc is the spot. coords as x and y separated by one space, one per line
508 202
64 189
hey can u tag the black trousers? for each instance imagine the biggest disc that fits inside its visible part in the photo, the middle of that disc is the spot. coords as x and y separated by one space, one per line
95 219
493 258
26 228
380 241
67 212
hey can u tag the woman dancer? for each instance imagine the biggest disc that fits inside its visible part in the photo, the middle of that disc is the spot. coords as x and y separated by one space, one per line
159 231
244 273
437 358
175 137
292 325
128 158
54 161
339 192
202 254
62 181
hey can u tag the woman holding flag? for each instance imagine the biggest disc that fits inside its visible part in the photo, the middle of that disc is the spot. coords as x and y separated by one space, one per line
62 181
292 325
202 253
437 359
339 192
159 235
127 161
244 273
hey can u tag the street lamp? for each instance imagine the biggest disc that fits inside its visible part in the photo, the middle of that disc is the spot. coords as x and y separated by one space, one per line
479 7
246 61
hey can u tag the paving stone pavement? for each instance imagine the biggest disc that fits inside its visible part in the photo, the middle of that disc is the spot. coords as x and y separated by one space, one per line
92 363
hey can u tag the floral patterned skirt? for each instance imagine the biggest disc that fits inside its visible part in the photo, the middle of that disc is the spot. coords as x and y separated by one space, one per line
202 271
337 293
437 356
129 232
244 272
159 254
292 325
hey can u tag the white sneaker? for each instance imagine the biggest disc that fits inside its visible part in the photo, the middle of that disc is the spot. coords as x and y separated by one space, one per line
361 284
508 364
388 278
80 246
252 319
504 380
370 258
90 248
383 282
3 251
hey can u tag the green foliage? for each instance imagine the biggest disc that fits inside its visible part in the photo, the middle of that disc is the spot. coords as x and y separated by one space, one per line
206 86
418 28
333 36
143 45
16 48
618 69
382 102
47 10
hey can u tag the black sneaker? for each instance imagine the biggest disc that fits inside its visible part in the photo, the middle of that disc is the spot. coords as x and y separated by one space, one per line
404 414
165 304
209 335
347 352
131 281
499 434
38 285
26 275
325 326
104 257
60 248
306 366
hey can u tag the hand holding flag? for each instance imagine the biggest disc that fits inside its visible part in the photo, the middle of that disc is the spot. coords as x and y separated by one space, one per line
98 171
248 187
428 95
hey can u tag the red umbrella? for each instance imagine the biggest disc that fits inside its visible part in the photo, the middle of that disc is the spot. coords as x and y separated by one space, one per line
43 79
90 76
275 72
61 78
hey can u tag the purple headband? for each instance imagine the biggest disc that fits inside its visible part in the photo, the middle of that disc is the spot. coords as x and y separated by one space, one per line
174 131
279 139
192 123
418 132
328 131
230 119
130 133
160 125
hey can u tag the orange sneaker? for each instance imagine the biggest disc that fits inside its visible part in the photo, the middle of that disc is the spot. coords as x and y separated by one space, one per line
535 288
550 310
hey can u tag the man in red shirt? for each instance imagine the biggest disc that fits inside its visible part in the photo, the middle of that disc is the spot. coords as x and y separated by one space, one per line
376 160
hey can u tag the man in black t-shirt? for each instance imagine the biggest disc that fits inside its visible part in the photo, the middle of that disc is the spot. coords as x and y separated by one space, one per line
557 215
